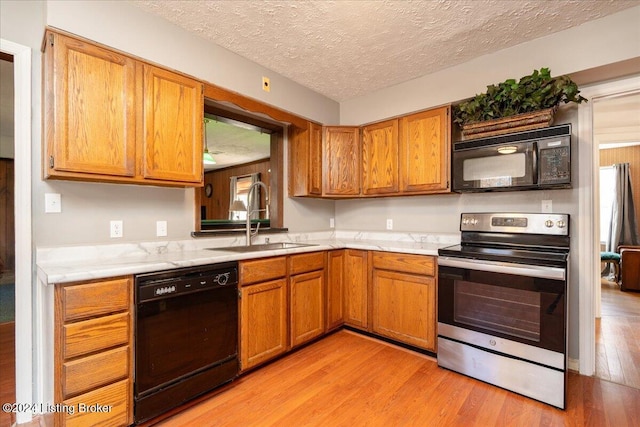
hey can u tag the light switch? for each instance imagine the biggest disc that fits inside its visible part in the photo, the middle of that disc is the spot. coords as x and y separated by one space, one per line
52 203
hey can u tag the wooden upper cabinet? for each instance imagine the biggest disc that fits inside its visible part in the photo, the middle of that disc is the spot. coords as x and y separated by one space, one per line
112 118
425 151
305 160
90 117
173 117
380 158
341 161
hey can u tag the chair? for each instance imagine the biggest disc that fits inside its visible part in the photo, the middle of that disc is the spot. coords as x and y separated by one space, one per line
629 267
613 259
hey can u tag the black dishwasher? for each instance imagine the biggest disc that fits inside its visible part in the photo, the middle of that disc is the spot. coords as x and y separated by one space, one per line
186 335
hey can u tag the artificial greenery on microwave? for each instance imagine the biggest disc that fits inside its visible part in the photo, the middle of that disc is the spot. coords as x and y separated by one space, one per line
534 92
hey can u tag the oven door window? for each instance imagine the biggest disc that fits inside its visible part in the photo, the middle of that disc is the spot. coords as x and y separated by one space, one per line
521 308
513 312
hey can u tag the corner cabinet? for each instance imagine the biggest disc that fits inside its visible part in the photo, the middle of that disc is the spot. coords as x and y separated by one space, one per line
109 117
341 162
425 152
356 278
93 352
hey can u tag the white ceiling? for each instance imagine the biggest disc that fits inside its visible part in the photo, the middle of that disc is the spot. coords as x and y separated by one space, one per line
233 145
344 49
616 121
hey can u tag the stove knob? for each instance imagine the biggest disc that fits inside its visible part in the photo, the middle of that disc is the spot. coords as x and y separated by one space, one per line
561 224
548 223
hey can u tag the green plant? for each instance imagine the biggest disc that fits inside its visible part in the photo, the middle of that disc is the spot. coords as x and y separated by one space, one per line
531 93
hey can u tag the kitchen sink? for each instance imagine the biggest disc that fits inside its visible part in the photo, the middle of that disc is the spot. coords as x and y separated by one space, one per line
262 247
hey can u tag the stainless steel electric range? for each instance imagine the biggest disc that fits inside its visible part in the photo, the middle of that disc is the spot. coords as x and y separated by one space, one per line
502 303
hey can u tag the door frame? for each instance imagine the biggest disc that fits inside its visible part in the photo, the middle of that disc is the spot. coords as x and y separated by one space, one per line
589 214
23 236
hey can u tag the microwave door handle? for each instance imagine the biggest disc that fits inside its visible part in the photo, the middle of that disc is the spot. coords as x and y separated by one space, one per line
534 163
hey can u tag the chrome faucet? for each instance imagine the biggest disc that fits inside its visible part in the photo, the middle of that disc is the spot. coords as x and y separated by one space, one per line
250 234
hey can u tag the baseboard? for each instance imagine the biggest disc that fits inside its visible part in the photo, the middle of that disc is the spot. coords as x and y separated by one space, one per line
574 365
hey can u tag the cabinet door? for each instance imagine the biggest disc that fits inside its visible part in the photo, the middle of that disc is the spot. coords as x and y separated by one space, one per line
307 306
305 161
335 286
173 125
263 322
404 307
90 102
380 158
355 288
341 161
425 151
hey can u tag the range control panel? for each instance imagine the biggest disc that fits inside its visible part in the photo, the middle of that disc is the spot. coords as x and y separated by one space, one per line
525 223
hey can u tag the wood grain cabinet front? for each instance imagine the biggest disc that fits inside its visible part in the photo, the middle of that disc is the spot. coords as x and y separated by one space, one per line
404 298
110 117
263 322
93 352
425 152
341 161
305 161
335 289
306 297
356 278
380 174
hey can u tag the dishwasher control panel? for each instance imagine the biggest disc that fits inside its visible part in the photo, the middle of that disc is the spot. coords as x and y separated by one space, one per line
168 283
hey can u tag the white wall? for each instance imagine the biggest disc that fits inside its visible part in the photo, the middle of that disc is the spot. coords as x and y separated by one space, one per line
87 208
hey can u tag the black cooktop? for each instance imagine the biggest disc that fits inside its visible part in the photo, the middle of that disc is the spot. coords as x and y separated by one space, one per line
519 255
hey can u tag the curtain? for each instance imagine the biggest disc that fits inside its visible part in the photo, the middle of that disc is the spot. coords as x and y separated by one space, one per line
233 193
623 229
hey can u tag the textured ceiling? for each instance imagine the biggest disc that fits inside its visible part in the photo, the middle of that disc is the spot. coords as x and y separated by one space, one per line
343 49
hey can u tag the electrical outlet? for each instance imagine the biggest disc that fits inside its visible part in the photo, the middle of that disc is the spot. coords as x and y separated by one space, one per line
266 84
52 203
161 228
332 223
389 224
116 229
547 206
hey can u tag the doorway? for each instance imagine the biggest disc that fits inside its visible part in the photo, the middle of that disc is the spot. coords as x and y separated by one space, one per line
7 239
616 134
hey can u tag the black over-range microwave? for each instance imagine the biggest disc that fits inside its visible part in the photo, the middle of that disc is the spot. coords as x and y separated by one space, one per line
531 160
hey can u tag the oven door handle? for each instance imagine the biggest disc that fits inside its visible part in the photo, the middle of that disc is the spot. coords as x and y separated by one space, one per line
543 272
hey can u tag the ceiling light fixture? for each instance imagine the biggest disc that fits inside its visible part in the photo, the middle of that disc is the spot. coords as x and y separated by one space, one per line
207 158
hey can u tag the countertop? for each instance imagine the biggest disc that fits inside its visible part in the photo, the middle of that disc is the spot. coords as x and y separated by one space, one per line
79 263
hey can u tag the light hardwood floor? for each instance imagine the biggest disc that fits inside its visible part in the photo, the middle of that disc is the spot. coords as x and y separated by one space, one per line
618 336
346 379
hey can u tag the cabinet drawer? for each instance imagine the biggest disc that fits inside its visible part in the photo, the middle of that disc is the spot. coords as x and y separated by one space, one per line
96 334
88 373
112 402
407 263
306 262
261 270
95 299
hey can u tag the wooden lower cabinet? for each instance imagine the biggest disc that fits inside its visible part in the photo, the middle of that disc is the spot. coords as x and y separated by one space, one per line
93 352
306 307
335 289
355 288
404 298
263 322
